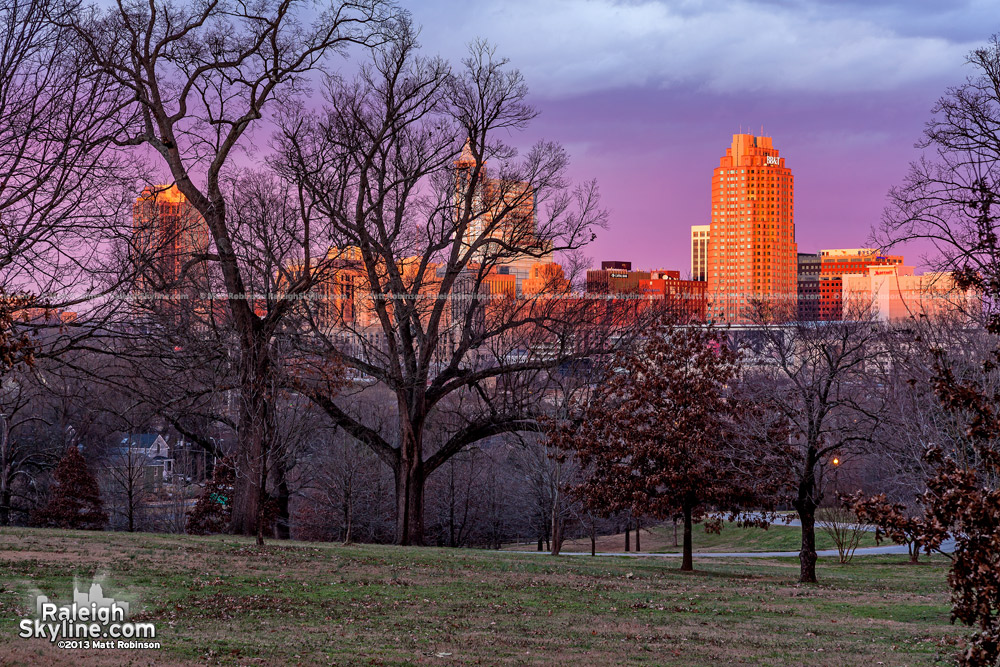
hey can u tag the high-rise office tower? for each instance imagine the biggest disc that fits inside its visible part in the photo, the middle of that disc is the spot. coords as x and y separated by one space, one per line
808 310
167 231
751 248
699 252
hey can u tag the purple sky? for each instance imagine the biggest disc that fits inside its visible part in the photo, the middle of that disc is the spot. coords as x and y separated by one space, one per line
646 96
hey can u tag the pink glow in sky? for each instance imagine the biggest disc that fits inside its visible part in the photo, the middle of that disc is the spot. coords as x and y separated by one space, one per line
646 96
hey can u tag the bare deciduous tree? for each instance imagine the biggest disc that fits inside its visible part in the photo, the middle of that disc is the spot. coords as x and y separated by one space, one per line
61 186
844 527
127 486
826 380
424 231
200 77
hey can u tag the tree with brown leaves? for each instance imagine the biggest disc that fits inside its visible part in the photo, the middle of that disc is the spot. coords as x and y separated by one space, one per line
76 498
658 435
213 511
894 519
952 197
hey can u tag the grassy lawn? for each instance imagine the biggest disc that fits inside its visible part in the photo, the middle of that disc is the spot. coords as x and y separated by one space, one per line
221 600
660 539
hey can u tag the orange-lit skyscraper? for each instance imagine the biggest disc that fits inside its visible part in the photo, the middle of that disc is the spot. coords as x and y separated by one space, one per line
752 254
167 231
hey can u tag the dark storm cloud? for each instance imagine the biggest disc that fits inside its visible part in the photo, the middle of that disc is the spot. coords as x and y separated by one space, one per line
646 95
566 47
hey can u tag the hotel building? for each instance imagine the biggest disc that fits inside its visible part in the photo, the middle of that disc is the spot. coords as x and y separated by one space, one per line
894 293
835 264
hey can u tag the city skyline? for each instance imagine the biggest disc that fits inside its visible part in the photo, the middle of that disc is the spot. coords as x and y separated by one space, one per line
843 88
302 321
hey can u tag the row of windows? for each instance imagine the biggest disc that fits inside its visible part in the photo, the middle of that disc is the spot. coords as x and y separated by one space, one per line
752 171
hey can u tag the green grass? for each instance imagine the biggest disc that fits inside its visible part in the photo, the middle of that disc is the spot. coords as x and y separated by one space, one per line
660 539
222 600
735 539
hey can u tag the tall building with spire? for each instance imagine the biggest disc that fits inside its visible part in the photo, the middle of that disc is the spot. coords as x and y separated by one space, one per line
502 209
752 256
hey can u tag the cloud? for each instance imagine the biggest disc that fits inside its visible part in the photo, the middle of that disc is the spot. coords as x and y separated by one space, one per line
569 47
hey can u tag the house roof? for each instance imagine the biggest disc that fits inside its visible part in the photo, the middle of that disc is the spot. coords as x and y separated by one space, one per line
143 440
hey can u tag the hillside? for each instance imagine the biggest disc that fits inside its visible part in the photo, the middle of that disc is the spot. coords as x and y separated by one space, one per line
222 600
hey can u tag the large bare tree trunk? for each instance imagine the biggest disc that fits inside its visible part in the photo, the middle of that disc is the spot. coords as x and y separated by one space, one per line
452 542
347 508
5 499
557 521
282 524
410 480
130 498
557 535
6 472
253 442
807 554
247 499
350 520
805 505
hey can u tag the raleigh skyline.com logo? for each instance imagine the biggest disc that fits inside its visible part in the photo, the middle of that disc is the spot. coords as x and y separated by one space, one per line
91 621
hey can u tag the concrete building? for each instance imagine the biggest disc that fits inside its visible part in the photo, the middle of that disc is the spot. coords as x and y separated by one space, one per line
751 247
685 297
808 291
893 292
699 252
615 278
835 264
546 278
622 266
167 231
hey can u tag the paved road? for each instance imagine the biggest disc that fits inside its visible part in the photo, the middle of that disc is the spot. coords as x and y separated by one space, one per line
947 547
